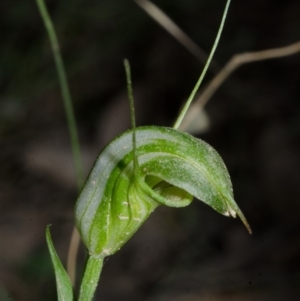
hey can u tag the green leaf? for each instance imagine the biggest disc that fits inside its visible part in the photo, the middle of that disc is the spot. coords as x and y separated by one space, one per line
63 283
172 167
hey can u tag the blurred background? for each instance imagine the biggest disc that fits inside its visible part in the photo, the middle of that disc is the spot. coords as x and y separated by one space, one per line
253 121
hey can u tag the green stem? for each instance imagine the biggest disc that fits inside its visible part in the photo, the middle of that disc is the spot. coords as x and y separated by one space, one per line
64 90
190 99
90 278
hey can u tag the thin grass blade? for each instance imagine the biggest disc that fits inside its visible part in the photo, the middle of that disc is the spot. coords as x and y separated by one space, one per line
63 283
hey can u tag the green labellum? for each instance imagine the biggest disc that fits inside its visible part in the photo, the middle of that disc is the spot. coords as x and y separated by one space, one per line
173 167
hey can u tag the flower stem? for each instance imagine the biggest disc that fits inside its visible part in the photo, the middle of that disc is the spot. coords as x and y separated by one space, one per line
90 278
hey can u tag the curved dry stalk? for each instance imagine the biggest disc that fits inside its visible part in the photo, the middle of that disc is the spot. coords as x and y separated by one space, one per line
72 255
164 21
235 62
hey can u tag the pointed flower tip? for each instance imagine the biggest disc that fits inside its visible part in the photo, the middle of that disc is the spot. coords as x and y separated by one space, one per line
245 222
236 211
248 227
241 216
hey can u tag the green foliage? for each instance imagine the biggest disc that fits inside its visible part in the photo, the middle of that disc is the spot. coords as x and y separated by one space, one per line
63 283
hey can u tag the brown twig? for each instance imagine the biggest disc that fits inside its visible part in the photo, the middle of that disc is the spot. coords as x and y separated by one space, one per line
164 21
235 62
72 255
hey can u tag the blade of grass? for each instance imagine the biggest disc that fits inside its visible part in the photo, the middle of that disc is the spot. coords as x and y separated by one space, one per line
64 90
192 96
70 121
235 62
63 283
